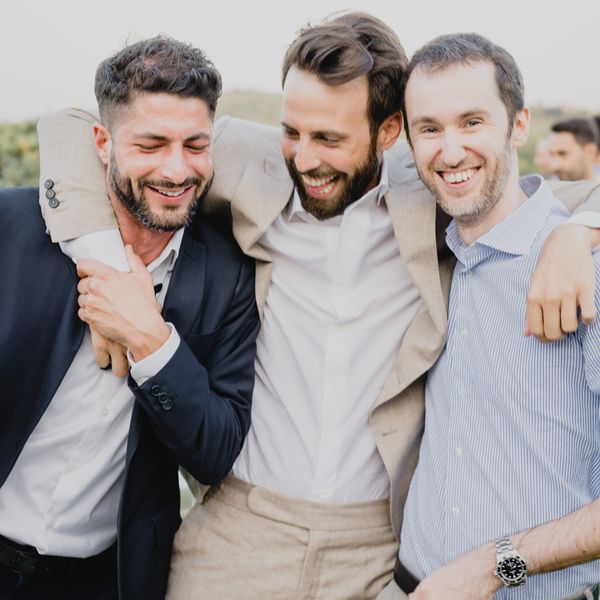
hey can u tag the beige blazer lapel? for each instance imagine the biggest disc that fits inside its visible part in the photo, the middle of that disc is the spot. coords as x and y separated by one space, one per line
412 210
264 190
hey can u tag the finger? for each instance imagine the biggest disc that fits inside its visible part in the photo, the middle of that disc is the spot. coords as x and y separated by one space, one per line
552 330
118 359
587 306
100 346
534 319
87 267
568 315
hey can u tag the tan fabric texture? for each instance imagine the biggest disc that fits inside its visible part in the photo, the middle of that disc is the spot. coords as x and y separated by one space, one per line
77 173
248 542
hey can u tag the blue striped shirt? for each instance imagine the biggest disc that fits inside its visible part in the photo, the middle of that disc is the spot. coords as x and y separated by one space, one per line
512 426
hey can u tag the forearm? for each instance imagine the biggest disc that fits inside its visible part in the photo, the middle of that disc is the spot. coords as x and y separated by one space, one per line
571 540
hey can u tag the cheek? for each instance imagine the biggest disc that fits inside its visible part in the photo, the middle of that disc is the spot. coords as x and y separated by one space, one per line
202 165
288 149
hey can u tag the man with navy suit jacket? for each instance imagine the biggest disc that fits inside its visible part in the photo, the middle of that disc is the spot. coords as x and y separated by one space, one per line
89 497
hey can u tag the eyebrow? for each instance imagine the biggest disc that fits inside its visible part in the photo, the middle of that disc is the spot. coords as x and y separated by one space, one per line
162 138
466 115
320 133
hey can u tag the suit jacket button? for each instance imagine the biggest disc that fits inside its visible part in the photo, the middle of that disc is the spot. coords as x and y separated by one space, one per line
155 390
53 203
50 194
48 184
167 404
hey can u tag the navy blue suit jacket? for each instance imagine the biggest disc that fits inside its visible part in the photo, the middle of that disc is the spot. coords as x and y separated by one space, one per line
208 382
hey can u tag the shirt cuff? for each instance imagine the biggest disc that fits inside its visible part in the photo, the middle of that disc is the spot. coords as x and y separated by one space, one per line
148 367
105 245
589 218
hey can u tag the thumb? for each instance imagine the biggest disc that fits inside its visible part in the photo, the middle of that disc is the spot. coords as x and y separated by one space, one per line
139 271
138 268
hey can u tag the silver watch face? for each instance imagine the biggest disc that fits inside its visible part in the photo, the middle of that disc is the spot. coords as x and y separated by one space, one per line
511 570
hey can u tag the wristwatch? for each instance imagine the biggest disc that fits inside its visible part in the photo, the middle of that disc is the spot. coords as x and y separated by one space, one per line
511 569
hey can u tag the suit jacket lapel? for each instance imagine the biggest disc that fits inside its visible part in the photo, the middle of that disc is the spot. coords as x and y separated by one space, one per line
413 211
264 190
184 296
182 307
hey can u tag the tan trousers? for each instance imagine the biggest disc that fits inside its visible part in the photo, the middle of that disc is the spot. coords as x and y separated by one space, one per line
248 543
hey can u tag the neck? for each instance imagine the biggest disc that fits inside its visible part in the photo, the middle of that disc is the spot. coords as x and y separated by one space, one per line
512 197
146 243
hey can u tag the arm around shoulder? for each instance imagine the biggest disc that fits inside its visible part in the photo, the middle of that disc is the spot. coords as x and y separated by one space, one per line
73 193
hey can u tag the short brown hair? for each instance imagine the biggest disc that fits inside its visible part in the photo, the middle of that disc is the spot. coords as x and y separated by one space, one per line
583 130
158 64
349 46
468 49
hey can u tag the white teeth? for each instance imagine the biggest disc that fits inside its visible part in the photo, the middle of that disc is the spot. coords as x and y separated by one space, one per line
170 193
459 176
318 182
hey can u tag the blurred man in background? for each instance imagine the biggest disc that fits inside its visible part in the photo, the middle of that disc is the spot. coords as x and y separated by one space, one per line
574 148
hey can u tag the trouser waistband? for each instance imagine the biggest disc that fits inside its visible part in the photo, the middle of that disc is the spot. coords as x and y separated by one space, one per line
26 560
300 512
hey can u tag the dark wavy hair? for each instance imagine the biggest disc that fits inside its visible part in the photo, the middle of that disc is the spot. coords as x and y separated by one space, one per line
349 46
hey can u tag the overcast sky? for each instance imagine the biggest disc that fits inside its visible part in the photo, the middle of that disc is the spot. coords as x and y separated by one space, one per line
50 49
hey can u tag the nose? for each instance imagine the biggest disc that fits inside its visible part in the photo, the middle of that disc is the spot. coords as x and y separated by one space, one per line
305 156
175 168
555 163
452 150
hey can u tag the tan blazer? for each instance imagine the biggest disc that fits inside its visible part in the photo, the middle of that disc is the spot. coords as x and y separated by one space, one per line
251 177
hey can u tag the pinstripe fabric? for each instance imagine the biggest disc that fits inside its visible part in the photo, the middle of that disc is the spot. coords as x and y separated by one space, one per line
512 425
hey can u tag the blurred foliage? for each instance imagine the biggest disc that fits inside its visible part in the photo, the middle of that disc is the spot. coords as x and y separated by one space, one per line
19 160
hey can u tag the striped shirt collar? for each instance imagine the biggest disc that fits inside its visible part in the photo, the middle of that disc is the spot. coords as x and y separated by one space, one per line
513 235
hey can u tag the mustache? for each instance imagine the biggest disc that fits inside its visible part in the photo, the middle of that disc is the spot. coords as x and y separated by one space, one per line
170 185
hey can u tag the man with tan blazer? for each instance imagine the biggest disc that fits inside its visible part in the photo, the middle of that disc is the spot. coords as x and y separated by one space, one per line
352 292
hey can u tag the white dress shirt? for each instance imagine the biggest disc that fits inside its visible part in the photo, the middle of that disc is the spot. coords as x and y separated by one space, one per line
338 306
62 495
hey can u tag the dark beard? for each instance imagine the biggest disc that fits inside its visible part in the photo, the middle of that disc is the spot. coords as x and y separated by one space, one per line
354 187
138 207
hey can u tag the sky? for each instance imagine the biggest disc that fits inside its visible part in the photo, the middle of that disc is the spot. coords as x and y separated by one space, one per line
50 49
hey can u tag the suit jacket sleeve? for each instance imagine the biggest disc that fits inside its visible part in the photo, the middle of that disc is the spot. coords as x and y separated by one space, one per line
199 403
79 202
577 196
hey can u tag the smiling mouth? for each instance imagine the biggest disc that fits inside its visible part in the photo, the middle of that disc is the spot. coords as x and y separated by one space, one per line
320 186
173 194
458 177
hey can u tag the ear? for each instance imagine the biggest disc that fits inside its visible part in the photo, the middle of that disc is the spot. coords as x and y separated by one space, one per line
590 150
103 141
520 130
389 131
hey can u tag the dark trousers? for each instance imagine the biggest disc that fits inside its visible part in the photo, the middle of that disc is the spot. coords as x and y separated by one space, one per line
90 580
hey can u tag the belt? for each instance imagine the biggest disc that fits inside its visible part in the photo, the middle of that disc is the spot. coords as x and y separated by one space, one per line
26 560
405 580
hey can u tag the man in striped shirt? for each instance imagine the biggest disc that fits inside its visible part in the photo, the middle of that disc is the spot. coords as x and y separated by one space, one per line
511 449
